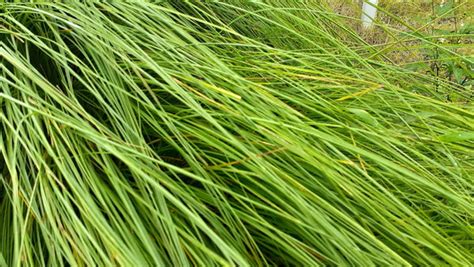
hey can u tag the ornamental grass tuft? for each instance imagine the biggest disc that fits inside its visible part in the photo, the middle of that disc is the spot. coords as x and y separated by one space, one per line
223 133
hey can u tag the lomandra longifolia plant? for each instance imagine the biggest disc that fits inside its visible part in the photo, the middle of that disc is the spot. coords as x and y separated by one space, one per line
222 133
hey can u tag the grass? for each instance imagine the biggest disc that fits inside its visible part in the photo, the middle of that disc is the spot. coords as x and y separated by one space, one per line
228 133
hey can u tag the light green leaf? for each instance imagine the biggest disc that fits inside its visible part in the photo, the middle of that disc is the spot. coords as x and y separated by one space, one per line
457 137
364 116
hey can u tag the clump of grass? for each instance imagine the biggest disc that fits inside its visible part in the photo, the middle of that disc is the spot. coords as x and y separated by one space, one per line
222 133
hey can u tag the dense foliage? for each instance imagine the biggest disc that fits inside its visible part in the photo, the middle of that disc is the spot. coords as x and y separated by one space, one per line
221 133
